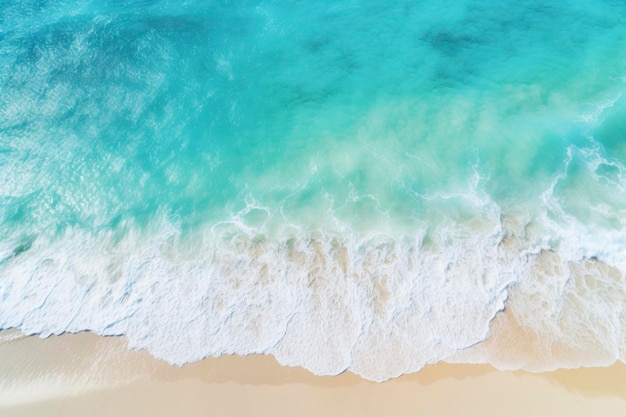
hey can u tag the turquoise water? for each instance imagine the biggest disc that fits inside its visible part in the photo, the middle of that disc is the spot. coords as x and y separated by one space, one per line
323 181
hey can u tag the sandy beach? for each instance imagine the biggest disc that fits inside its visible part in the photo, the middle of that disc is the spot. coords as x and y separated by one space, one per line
89 375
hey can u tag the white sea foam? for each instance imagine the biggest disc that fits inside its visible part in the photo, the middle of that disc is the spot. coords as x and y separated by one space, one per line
579 239
378 304
378 307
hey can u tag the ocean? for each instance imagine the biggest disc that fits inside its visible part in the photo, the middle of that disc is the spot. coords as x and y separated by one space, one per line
348 185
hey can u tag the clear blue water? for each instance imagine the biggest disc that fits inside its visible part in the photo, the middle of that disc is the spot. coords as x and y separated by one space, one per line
318 155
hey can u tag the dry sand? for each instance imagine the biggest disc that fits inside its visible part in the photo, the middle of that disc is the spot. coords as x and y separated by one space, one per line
89 375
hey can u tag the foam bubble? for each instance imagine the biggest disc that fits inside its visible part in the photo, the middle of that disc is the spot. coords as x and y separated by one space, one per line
378 305
566 314
325 302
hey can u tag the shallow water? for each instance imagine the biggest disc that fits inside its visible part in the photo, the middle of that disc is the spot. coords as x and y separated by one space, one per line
343 185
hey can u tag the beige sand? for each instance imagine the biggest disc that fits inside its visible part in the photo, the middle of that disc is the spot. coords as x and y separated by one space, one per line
88 375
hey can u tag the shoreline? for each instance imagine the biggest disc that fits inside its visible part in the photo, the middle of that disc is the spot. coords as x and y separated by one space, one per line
75 374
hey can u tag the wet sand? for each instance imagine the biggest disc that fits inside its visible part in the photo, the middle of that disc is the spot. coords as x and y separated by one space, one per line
89 375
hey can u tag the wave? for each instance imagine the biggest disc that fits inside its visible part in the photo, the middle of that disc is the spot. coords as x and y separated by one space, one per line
379 306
